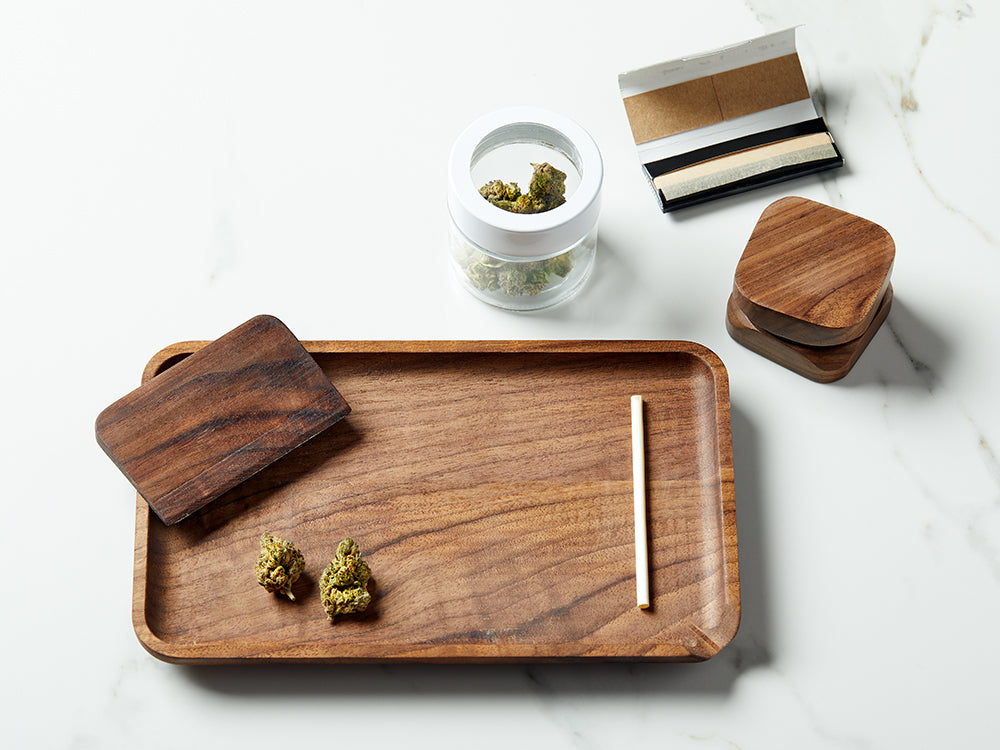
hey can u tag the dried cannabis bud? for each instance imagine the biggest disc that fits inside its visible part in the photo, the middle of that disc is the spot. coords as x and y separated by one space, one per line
546 190
279 565
560 265
499 193
529 277
343 587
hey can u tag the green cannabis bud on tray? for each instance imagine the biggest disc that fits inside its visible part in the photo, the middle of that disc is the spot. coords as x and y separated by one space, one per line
546 190
279 565
344 586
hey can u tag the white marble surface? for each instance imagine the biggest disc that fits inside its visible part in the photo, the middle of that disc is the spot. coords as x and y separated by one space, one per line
168 170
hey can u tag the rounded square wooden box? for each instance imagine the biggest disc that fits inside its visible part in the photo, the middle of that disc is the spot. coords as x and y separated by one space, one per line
811 288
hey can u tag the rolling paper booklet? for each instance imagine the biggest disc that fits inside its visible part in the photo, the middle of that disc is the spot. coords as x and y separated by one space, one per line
726 121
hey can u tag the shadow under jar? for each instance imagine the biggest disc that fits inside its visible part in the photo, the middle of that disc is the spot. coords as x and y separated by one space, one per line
523 261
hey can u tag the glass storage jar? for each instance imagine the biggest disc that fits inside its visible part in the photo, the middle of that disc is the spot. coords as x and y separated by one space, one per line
523 261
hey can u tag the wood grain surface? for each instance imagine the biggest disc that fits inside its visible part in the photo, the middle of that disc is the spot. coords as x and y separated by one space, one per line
824 364
813 274
488 485
200 428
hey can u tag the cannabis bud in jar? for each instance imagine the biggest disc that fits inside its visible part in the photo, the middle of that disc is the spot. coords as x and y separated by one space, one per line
279 565
525 277
344 586
546 191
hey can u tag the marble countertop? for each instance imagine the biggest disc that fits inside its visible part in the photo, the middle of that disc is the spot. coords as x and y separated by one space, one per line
170 170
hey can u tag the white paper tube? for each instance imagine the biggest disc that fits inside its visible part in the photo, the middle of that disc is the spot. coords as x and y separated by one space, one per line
639 497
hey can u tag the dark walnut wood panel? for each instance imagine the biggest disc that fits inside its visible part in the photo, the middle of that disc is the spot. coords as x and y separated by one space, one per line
813 274
217 417
489 487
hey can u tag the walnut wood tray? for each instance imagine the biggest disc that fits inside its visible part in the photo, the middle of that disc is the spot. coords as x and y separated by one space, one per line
489 486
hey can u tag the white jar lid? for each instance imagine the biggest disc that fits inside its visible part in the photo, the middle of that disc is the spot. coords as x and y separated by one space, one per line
524 235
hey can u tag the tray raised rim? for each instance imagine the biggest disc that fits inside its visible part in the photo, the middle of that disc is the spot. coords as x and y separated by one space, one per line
695 645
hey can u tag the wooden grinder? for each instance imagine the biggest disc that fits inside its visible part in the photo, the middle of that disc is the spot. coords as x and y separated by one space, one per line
811 288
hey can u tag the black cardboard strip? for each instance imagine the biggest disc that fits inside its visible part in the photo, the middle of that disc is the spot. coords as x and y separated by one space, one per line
662 166
741 186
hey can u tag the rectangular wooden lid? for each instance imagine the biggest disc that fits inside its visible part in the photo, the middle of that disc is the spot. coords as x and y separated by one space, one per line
219 416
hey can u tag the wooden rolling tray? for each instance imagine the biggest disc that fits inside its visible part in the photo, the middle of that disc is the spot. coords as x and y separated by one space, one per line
489 486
